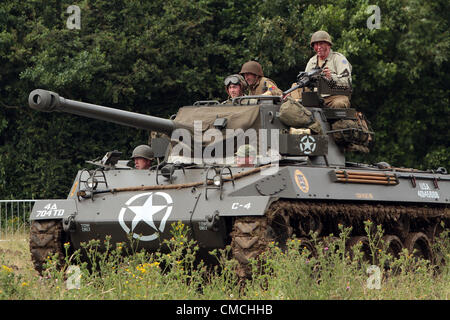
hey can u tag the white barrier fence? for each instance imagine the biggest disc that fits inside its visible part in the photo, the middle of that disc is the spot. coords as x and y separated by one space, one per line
14 217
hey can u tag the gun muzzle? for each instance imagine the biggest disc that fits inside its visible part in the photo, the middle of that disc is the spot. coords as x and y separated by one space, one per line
43 100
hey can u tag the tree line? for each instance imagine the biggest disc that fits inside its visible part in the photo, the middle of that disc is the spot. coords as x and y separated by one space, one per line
153 57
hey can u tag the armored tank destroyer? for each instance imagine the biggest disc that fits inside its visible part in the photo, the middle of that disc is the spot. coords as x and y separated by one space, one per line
296 183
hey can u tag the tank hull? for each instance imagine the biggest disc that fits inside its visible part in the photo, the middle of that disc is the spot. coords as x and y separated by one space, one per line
134 206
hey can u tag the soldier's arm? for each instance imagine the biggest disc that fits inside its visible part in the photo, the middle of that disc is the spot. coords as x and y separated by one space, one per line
342 75
272 89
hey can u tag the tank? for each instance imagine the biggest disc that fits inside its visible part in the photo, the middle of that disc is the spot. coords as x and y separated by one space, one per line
296 184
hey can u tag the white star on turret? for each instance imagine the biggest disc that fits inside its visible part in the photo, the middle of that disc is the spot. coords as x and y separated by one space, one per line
307 144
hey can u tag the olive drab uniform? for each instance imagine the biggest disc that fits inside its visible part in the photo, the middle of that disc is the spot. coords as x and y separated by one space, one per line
265 86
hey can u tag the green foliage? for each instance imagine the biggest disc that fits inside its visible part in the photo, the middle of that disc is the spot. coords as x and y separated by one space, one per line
106 270
154 56
11 284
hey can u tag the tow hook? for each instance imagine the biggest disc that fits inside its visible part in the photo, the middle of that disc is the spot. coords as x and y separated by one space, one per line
69 223
212 221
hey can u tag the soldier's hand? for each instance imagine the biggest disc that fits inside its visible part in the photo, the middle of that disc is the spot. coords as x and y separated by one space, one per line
327 73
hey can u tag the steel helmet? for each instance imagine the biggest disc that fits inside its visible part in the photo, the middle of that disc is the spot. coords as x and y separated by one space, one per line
235 79
143 151
252 67
320 36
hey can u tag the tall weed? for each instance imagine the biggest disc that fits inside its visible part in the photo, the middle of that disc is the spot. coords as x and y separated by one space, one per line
322 268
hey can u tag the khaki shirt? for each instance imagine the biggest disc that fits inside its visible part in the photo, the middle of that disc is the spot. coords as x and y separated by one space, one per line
341 69
265 86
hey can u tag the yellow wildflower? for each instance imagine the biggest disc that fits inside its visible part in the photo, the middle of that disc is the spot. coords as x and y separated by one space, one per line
7 269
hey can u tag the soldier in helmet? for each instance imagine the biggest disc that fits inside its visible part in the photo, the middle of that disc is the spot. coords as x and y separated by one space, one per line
336 69
257 83
143 156
235 86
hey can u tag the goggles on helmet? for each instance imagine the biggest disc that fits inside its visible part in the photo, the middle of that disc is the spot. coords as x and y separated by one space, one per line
232 80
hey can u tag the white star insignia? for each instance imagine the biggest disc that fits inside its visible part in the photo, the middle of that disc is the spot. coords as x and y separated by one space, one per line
307 144
145 213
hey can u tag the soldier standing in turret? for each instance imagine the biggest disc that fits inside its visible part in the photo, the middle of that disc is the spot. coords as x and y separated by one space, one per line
257 83
336 69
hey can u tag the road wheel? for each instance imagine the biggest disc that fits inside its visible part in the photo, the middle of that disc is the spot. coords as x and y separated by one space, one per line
310 223
393 245
306 244
419 245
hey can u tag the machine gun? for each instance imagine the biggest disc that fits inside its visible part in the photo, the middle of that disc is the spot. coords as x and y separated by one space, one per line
312 80
305 79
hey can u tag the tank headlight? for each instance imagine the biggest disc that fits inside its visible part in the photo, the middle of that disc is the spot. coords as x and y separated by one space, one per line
91 183
217 180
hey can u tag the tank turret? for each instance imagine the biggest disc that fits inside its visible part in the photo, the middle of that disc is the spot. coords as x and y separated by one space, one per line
214 127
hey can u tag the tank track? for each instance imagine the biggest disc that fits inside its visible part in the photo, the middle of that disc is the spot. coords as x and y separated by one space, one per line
46 239
405 226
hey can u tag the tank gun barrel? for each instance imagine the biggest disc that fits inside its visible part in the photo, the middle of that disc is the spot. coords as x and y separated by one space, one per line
49 101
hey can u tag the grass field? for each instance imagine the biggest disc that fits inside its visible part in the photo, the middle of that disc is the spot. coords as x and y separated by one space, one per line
286 274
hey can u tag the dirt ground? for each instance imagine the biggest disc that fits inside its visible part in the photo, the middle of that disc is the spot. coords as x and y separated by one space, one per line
15 252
